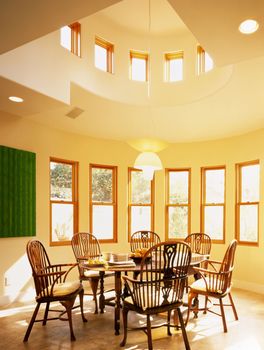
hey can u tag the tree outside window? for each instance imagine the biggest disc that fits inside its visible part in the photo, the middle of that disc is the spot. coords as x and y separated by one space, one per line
63 200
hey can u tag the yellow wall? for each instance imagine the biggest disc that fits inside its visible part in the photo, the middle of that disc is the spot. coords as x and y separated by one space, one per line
45 142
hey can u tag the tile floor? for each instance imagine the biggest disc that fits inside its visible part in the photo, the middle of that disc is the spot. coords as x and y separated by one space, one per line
204 333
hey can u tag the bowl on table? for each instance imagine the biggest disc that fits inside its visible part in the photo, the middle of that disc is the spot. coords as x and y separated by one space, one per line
118 257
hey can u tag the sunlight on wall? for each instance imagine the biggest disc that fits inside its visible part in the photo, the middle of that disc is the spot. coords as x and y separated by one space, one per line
16 278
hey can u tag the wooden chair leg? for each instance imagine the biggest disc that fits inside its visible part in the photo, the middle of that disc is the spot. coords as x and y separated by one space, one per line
168 321
149 333
46 314
125 312
223 314
233 306
94 285
191 296
184 334
205 304
68 304
81 305
31 322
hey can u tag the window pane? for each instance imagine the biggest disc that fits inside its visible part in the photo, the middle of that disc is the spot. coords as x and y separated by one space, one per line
178 222
140 218
103 221
250 183
176 69
65 39
102 185
209 63
213 222
139 69
100 57
60 181
215 186
249 223
179 187
141 188
62 222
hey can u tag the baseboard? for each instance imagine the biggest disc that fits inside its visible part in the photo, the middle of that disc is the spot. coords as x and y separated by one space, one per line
252 287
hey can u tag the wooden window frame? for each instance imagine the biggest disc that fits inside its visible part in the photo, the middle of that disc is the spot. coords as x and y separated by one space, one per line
74 201
110 53
204 205
168 204
202 56
113 203
130 204
76 38
140 55
200 60
239 203
172 56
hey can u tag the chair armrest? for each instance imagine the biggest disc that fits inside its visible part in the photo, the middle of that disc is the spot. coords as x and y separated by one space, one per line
50 274
214 281
58 268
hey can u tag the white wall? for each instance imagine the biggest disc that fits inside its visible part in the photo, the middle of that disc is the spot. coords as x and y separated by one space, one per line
24 134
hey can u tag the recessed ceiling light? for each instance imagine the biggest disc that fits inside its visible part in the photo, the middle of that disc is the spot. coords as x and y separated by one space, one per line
248 26
15 99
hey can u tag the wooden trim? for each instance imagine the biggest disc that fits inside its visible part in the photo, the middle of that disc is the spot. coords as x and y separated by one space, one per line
74 201
109 52
75 38
203 204
239 202
200 60
174 55
130 204
113 203
168 204
142 56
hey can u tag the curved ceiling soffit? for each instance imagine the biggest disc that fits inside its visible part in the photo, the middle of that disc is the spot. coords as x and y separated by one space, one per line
161 95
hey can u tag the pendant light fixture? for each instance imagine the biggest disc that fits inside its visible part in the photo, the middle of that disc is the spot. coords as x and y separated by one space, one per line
148 161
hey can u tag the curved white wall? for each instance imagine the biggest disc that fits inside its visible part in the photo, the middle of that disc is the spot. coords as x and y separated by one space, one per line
23 134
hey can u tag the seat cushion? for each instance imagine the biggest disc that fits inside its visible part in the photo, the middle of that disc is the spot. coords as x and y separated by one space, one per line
200 286
62 289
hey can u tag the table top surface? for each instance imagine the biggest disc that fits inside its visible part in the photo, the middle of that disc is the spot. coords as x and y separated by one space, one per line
195 260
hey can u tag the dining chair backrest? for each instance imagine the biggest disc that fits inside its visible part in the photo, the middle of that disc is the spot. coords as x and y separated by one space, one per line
39 262
227 266
163 275
143 239
200 243
85 246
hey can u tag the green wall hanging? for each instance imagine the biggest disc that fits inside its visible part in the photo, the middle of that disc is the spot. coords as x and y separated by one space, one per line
17 192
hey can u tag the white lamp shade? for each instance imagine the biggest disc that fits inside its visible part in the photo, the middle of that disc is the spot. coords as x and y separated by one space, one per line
148 162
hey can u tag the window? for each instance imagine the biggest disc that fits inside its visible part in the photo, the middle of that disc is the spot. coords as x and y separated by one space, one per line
140 202
204 61
174 66
247 202
71 38
103 202
213 202
178 203
138 66
63 200
103 55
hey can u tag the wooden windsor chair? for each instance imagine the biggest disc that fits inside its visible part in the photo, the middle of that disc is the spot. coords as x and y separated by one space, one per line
51 286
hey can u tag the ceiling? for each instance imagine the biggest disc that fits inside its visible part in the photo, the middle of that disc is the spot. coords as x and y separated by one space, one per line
236 108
